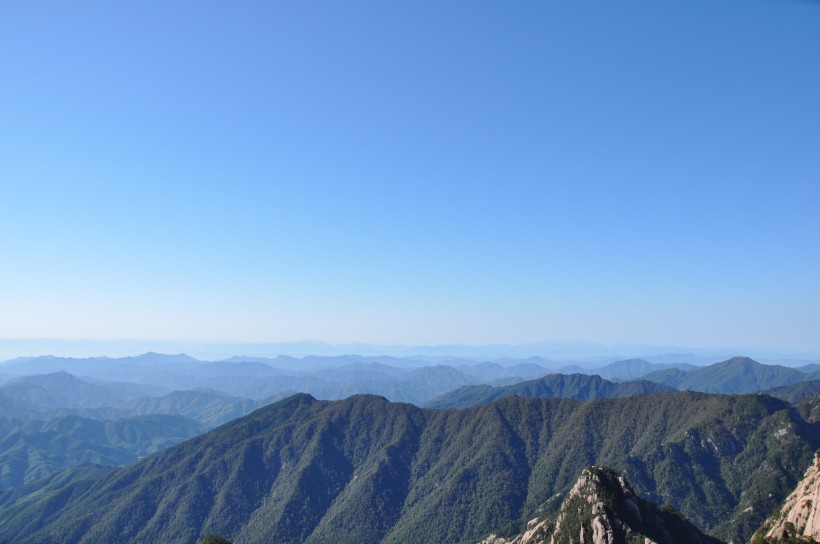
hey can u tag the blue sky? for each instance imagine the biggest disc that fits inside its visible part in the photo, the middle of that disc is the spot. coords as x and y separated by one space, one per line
412 172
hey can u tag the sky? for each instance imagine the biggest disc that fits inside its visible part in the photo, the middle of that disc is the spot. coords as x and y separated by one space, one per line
412 172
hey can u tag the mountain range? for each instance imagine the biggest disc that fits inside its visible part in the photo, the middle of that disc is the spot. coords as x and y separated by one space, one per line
573 386
368 470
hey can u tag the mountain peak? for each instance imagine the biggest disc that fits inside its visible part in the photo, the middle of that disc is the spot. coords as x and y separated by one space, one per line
602 508
740 360
799 518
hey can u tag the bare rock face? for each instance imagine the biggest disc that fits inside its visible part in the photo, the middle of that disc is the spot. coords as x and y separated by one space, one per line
799 517
602 508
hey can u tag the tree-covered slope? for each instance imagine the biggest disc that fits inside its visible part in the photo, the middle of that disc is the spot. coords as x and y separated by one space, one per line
210 408
34 449
367 470
736 375
573 386
796 393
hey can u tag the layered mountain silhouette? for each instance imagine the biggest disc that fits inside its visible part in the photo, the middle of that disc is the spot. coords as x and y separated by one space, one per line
368 470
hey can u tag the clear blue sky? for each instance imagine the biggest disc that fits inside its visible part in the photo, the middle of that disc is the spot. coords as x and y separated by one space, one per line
412 172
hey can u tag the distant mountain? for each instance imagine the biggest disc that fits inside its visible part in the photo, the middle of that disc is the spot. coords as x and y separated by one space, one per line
33 449
796 393
34 396
493 371
323 377
602 508
672 377
574 386
798 519
92 366
210 408
632 369
367 470
736 375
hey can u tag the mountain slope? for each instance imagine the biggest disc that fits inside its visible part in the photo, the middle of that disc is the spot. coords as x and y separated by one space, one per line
33 449
603 508
574 386
799 517
367 470
796 393
207 407
633 369
736 375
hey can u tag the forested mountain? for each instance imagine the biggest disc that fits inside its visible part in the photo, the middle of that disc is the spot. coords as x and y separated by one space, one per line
210 408
33 449
796 393
367 470
602 508
573 386
737 375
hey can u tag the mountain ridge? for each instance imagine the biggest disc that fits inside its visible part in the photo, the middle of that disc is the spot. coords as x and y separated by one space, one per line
603 508
367 470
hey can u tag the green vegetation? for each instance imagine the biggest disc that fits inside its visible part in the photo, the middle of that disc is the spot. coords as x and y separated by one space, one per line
367 470
573 386
737 375
214 539
33 449
603 497
796 393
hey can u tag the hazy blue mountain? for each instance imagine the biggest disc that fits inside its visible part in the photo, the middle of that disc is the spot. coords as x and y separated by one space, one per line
210 408
312 363
574 386
687 358
95 366
736 375
32 449
148 368
36 396
367 470
222 368
632 369
373 369
487 372
669 376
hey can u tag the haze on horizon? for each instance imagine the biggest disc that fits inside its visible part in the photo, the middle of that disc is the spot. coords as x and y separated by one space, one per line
421 173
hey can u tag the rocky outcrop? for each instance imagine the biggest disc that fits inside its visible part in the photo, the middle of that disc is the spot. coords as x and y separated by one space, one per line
602 508
799 517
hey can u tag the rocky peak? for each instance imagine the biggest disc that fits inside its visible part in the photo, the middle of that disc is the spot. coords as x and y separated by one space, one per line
799 518
602 508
